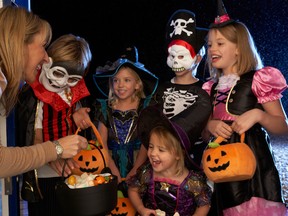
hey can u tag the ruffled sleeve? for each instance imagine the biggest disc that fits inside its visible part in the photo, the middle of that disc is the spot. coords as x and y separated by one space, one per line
268 84
207 86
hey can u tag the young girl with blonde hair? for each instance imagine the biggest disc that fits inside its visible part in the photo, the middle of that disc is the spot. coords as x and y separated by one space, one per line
167 182
131 87
247 99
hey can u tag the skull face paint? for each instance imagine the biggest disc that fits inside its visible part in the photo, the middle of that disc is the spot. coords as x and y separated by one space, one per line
57 79
179 58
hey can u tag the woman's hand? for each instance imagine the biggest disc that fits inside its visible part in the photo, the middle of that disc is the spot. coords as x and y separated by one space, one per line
72 145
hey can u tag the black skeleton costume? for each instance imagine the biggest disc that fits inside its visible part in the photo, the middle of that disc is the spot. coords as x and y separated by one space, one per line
186 104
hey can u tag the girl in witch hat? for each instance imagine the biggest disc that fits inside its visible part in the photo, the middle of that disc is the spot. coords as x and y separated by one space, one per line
128 87
247 99
167 182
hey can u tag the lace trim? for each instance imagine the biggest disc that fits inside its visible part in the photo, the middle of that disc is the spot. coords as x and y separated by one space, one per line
227 81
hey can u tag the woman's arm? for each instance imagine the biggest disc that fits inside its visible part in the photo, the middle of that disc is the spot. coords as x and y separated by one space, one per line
17 160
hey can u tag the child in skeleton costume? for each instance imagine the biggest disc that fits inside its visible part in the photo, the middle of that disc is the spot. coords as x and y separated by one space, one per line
182 98
247 98
168 181
129 88
55 95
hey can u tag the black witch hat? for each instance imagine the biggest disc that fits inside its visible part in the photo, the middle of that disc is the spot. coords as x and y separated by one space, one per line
103 74
222 18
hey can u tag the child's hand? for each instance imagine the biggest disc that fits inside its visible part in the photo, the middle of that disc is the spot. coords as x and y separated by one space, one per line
58 166
146 212
219 128
81 118
245 121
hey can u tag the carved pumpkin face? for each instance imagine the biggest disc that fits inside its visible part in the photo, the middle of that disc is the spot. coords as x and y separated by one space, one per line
124 207
230 162
91 161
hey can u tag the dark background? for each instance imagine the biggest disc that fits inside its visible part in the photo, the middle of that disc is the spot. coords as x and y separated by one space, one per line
112 25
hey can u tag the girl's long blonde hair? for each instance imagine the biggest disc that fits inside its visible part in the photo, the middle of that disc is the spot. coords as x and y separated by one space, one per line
248 58
139 93
17 29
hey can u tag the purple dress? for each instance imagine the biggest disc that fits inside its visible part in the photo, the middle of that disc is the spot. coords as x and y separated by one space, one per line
169 196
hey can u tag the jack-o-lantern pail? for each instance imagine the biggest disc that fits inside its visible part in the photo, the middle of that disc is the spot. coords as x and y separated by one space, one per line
94 159
229 162
123 207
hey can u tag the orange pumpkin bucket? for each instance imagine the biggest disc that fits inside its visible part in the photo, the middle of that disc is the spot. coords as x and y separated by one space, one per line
124 205
229 162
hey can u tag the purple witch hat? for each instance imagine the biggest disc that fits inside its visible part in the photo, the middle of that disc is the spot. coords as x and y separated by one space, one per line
222 18
151 117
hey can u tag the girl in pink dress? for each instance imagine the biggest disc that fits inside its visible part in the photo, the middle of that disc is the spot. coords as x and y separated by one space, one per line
246 98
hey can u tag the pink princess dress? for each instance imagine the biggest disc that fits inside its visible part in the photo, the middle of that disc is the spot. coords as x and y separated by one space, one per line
234 95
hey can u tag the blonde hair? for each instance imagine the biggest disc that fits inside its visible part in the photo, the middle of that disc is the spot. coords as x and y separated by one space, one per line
248 58
172 144
71 48
138 94
17 29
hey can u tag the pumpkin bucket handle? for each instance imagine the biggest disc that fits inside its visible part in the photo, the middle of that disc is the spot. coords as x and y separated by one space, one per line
100 141
99 138
220 139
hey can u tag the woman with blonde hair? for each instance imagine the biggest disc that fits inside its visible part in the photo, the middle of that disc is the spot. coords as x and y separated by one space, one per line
44 112
24 37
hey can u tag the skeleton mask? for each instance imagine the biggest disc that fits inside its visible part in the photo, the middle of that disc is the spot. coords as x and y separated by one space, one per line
179 58
57 78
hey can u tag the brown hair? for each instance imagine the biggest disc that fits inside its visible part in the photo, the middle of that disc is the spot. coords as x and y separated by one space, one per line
71 48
